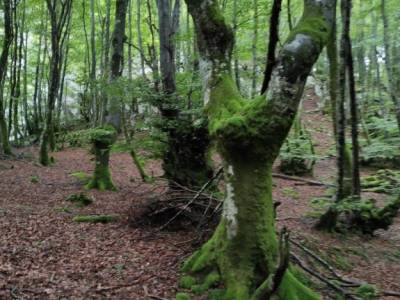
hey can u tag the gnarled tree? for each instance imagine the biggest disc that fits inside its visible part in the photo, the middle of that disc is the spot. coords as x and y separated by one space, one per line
244 253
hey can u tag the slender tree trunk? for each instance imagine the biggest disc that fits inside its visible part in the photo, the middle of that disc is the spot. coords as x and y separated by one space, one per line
37 75
273 43
139 35
104 137
254 49
235 53
93 69
244 253
389 64
59 18
62 82
106 46
348 64
7 42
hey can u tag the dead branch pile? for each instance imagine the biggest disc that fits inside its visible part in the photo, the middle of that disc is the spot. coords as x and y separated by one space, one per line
178 207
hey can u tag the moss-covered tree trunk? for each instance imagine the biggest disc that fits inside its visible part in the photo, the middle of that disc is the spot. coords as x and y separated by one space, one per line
243 252
185 159
102 140
104 137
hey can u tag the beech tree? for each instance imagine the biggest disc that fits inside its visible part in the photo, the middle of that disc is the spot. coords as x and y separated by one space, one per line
8 38
244 252
185 159
105 136
60 16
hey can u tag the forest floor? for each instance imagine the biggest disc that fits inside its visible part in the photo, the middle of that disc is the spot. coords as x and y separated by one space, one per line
44 254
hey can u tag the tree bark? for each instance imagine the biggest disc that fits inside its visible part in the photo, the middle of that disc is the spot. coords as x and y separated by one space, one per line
393 85
7 42
60 14
185 159
244 252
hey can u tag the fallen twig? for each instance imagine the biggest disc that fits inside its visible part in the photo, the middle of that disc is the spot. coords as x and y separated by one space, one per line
198 194
295 178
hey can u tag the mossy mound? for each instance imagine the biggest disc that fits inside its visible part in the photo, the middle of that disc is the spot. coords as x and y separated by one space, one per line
384 181
95 219
80 200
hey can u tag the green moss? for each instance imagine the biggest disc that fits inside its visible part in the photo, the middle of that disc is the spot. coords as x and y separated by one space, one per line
315 27
63 209
367 292
182 296
35 179
102 139
217 294
210 281
292 289
81 176
80 199
95 219
187 282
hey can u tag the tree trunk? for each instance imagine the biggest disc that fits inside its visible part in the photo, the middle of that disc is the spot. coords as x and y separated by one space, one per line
139 35
59 17
104 137
7 41
244 252
393 89
254 50
185 159
348 64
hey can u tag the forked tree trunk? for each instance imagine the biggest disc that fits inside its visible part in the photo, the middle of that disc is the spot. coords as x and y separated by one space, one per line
60 14
244 252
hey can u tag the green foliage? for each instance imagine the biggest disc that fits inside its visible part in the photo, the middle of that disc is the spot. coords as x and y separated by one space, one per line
384 181
95 219
80 200
187 282
297 156
35 179
78 138
381 149
367 292
63 209
182 296
365 216
290 193
83 177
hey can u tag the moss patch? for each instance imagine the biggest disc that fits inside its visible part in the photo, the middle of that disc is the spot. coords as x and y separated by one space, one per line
80 200
95 219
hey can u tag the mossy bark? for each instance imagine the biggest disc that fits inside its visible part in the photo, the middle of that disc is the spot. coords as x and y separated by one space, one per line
186 160
244 248
102 140
244 251
4 135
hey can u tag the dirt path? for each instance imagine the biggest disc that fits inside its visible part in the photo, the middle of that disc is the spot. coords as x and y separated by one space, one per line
45 255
